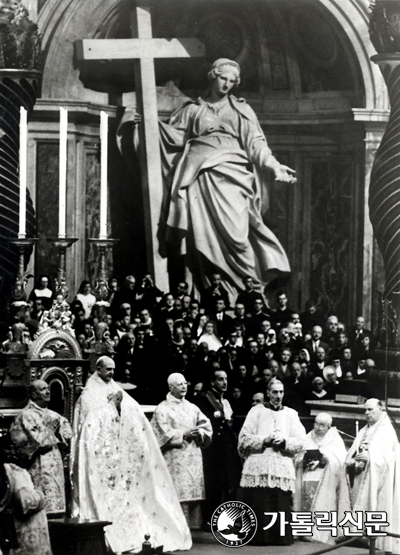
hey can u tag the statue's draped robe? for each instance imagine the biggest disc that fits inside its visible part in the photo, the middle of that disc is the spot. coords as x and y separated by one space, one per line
215 198
29 516
317 490
215 164
266 467
184 459
377 487
119 473
36 429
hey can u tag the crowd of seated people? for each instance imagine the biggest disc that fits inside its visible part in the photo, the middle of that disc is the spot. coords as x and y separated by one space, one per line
151 335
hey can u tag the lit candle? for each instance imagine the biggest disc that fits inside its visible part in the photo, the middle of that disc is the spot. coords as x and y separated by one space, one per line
103 174
23 145
62 204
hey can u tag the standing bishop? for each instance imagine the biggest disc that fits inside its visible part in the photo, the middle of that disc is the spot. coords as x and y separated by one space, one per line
370 478
182 430
318 470
118 471
38 434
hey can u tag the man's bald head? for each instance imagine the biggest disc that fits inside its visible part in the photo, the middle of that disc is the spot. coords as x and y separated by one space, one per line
39 393
105 367
322 423
324 418
174 378
35 385
373 410
258 399
177 385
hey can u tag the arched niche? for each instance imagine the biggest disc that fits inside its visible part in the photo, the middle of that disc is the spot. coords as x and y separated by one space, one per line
256 42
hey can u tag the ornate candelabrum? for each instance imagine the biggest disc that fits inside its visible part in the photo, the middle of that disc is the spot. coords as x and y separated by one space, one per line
62 245
18 293
101 288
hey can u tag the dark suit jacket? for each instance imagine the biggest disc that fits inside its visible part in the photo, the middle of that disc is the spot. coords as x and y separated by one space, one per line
210 294
222 464
224 326
309 346
247 298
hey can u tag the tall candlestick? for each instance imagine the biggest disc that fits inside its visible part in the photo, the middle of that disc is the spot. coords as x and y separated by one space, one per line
23 146
358 448
62 204
103 174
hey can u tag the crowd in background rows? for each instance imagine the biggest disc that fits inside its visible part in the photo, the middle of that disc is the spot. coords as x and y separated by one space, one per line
150 335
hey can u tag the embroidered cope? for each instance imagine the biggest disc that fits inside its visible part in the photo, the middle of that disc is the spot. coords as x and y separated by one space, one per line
119 473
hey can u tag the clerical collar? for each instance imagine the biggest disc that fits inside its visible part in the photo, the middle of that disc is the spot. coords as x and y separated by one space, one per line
174 399
37 406
217 394
275 408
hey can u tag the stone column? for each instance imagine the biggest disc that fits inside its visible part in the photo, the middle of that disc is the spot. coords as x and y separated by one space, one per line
20 59
384 192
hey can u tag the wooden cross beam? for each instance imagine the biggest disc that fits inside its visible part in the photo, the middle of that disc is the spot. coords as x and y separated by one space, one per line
143 49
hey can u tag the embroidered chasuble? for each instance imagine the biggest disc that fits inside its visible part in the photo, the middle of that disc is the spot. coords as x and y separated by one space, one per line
184 460
37 433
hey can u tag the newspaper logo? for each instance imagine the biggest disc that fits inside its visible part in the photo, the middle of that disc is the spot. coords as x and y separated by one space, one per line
233 524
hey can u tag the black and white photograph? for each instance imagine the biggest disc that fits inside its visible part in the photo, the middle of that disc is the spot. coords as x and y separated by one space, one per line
199 277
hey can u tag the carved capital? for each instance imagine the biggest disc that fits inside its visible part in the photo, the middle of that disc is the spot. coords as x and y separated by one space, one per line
384 26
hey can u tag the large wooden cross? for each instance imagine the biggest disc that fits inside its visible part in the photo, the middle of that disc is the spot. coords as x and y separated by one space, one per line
142 50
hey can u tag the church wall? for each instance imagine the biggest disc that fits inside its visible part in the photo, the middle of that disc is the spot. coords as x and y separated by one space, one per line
82 187
308 115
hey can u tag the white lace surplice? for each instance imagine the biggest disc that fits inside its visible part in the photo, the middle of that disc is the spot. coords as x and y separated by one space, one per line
267 467
119 473
184 459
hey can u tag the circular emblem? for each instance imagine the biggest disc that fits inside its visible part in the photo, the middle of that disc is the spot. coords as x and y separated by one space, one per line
233 524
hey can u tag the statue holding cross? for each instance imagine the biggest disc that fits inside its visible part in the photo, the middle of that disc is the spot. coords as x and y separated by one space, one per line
201 197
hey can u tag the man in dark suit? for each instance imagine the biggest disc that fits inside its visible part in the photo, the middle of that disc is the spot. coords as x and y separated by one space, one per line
249 295
215 290
311 317
318 364
259 315
312 344
222 320
358 332
221 462
282 314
